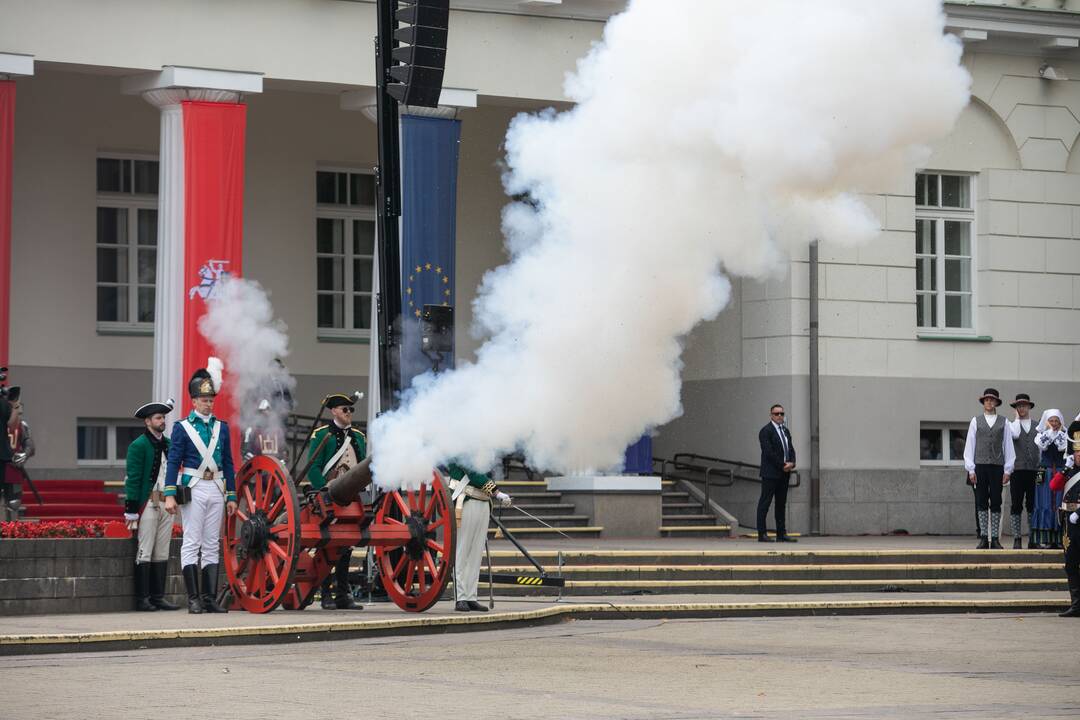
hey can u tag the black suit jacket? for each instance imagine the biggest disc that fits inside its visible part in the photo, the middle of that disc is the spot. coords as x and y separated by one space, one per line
772 452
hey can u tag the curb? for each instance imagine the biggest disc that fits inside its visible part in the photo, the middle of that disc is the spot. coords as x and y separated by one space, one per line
313 632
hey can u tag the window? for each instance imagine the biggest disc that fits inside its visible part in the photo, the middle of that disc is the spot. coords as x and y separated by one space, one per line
344 253
944 252
127 189
105 442
942 444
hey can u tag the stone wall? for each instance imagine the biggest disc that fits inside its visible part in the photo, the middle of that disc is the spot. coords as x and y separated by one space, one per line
74 576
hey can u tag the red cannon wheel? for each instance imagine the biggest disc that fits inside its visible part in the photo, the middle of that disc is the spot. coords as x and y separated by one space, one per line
262 540
416 573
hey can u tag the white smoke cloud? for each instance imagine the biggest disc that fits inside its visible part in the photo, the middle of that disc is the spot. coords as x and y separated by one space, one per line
709 138
239 322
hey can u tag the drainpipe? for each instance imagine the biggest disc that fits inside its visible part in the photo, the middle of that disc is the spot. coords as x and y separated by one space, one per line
815 397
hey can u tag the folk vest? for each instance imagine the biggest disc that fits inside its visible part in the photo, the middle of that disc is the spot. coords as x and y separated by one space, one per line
1027 452
989 441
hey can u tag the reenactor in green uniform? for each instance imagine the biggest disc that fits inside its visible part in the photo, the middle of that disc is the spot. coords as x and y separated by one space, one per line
343 449
472 493
144 507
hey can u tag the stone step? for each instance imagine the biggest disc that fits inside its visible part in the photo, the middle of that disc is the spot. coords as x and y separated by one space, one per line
541 510
678 495
543 532
537 496
689 519
517 520
789 555
702 530
678 506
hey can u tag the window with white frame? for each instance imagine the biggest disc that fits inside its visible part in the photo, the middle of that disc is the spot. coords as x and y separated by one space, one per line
942 443
105 442
127 190
944 252
344 252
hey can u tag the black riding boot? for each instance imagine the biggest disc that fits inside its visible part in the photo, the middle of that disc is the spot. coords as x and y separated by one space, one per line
343 599
159 574
142 588
209 590
191 585
1074 595
327 593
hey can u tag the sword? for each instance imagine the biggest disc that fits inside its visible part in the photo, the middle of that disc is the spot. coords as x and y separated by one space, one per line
533 517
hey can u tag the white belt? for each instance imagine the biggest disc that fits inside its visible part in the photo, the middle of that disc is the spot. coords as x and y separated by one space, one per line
218 477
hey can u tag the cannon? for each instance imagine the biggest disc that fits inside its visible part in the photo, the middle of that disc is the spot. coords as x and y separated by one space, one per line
279 546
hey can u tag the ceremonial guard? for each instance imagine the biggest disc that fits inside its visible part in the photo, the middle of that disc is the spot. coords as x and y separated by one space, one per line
472 493
1067 482
1053 444
1023 431
989 459
344 447
200 481
144 507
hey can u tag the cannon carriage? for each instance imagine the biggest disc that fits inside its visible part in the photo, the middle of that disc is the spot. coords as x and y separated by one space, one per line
280 545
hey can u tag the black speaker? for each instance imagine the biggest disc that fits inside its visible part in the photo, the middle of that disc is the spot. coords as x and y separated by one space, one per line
437 329
422 28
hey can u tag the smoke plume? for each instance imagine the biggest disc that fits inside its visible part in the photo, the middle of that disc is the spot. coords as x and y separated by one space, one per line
708 139
239 323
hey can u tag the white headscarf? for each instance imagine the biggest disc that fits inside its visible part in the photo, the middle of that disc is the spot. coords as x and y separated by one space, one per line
1047 414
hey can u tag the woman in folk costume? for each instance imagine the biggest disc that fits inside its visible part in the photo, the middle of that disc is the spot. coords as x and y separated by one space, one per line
200 480
1053 444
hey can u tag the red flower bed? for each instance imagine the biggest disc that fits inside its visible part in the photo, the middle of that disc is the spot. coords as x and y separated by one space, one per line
54 529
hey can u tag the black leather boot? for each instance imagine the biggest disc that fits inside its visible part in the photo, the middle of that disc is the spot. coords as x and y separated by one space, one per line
209 590
343 599
984 544
327 595
1074 595
191 585
159 574
142 588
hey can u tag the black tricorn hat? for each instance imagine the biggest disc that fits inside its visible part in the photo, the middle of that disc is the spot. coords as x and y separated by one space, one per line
339 400
154 408
1022 398
201 384
14 393
990 393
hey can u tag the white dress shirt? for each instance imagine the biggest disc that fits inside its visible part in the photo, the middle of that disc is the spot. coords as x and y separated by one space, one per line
1006 442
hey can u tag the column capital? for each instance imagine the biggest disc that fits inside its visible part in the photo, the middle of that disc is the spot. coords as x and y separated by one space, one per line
13 65
185 83
451 102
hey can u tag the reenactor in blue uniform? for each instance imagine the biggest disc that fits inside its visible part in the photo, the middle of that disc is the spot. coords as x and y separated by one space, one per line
201 481
345 446
1067 482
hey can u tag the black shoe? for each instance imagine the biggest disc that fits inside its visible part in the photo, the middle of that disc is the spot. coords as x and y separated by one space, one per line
462 606
142 588
1073 611
1018 544
346 602
785 538
475 606
159 573
209 590
326 596
191 585
995 545
764 538
984 544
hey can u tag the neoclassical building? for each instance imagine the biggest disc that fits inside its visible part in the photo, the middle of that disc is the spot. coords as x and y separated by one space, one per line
975 283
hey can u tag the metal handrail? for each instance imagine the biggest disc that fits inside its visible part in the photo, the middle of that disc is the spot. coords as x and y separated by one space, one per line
682 465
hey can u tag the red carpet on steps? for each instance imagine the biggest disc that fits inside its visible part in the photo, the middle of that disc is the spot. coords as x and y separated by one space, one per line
72 500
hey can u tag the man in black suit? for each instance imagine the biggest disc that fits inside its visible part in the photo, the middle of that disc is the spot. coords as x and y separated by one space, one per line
777 462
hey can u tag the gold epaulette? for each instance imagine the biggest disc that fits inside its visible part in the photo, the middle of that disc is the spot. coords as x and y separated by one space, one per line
358 432
321 427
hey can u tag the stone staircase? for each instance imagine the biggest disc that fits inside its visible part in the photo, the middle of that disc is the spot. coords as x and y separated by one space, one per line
686 516
678 572
534 497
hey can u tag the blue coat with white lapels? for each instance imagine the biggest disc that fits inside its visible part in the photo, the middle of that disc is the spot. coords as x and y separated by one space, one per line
200 448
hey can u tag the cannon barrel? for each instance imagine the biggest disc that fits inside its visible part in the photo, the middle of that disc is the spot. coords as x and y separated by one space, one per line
346 487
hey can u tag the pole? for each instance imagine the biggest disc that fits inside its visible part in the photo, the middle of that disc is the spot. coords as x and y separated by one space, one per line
388 179
815 399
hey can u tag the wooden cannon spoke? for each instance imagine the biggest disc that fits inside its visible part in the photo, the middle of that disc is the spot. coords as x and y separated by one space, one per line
429 562
260 481
401 503
276 549
421 576
276 508
432 545
271 568
250 500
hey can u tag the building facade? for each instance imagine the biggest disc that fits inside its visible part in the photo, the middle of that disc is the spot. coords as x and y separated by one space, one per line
975 282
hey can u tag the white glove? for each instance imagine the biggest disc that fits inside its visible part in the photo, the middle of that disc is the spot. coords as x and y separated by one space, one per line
503 499
1073 518
18 458
131 520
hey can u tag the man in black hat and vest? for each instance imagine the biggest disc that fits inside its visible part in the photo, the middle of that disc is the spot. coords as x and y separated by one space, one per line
988 458
144 507
1022 430
200 480
344 447
1067 482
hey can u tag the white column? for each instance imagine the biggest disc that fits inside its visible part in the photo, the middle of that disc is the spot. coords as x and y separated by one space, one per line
168 380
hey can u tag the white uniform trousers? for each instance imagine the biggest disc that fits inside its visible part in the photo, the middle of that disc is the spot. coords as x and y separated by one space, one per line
155 533
475 515
202 524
